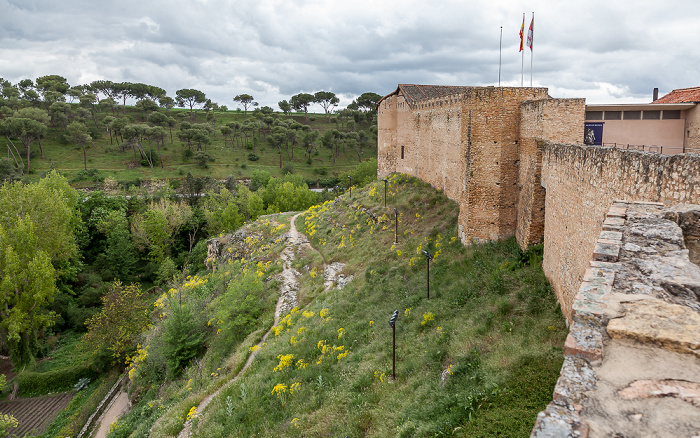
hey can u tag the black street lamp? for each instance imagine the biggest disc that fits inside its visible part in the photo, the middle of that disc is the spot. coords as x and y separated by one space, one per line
392 324
385 181
396 225
428 258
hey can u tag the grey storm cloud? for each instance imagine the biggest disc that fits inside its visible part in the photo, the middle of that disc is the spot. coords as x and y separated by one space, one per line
601 50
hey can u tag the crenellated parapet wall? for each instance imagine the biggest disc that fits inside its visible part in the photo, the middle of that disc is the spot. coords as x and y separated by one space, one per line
422 139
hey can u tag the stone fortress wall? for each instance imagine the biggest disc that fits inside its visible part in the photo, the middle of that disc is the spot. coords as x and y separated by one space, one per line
513 159
582 182
623 264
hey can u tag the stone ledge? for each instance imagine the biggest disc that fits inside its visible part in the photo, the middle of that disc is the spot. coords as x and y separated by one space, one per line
637 305
606 252
613 224
559 422
671 326
585 342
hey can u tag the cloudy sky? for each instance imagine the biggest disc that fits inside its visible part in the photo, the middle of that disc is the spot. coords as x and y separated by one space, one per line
603 50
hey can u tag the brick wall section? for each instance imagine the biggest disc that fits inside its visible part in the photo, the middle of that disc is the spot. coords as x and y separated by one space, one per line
387 117
430 134
581 182
491 129
554 120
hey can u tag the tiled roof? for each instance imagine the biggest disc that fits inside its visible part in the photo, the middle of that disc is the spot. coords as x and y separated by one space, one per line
681 95
416 93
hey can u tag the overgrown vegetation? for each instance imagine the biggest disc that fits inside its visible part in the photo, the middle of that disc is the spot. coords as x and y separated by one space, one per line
480 358
96 263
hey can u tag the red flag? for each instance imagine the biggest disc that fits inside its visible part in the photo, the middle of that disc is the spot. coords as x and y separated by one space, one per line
530 32
522 32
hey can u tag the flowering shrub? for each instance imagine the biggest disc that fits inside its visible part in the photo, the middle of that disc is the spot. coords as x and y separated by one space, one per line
427 318
286 360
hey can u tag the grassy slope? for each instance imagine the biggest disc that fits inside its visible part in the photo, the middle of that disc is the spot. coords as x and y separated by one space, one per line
495 327
112 162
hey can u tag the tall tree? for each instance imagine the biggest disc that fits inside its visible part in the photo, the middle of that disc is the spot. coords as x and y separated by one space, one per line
37 224
28 131
301 102
123 317
190 97
76 133
368 101
123 90
247 101
166 102
327 100
285 106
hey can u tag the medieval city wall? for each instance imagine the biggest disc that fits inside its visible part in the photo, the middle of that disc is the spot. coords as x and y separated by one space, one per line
581 183
554 120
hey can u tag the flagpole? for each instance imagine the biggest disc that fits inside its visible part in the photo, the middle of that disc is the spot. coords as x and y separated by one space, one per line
522 50
532 44
500 48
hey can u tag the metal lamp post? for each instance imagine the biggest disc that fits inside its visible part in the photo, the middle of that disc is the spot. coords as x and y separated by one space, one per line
396 225
392 324
385 181
428 258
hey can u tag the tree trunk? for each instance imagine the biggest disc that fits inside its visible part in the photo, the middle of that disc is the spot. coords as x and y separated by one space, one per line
29 151
160 157
82 145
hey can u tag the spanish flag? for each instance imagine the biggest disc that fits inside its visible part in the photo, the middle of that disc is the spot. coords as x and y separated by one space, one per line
522 34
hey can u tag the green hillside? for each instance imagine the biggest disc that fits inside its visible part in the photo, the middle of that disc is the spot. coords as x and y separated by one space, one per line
337 147
479 358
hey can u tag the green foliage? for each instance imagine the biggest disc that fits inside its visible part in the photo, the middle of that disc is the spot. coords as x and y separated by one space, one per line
183 338
34 383
221 212
259 179
202 158
9 171
363 174
240 306
37 223
123 316
253 157
156 229
93 175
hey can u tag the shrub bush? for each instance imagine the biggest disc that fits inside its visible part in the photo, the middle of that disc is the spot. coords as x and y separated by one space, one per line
32 383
